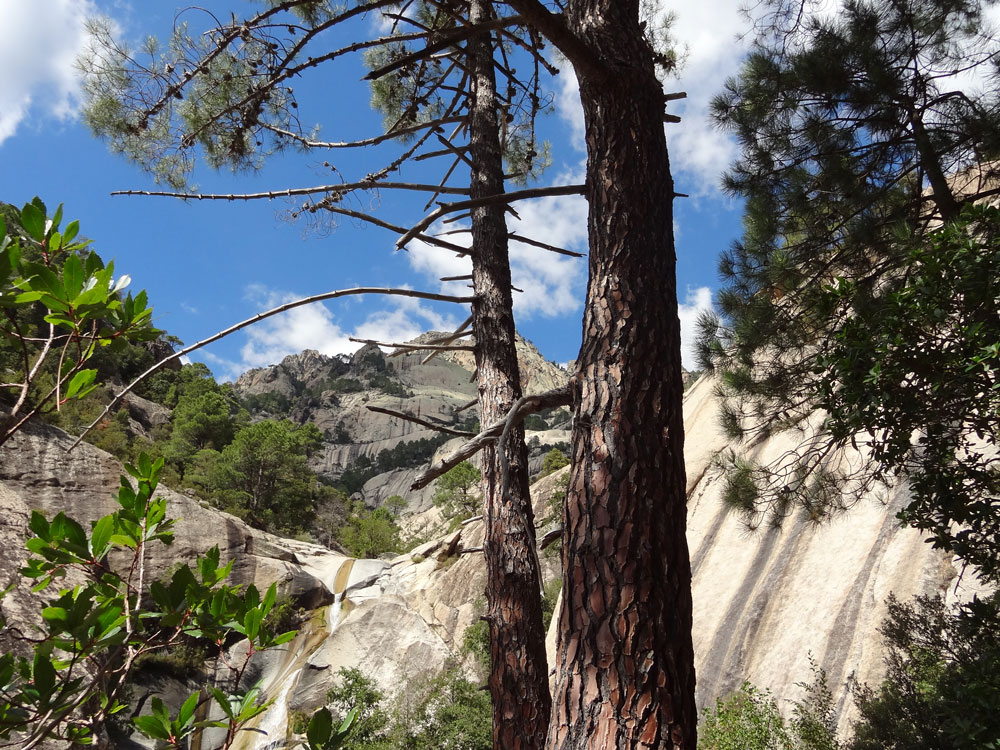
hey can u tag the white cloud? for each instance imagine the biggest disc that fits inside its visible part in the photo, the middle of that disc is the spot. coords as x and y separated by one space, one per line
708 34
39 42
698 301
552 283
314 327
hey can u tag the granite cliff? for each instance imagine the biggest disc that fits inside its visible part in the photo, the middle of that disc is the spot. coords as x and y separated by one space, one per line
764 603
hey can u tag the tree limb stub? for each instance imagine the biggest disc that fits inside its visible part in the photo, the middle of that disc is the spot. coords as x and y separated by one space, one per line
258 317
524 406
423 422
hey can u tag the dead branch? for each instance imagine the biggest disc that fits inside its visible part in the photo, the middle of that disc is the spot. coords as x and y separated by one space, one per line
524 406
374 141
550 537
517 195
544 245
467 406
423 422
413 347
446 40
458 333
336 189
527 405
256 318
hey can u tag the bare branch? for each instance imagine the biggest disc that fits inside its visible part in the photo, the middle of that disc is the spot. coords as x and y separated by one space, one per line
423 422
517 195
550 537
524 406
412 347
256 318
340 189
458 333
446 40
374 141
467 406
544 245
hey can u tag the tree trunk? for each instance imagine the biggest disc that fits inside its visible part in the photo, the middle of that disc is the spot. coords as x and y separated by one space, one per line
625 663
518 673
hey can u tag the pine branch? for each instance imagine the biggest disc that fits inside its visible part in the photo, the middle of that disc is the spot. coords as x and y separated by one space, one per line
544 246
458 333
374 141
256 318
338 189
524 406
446 208
412 347
554 27
447 40
422 422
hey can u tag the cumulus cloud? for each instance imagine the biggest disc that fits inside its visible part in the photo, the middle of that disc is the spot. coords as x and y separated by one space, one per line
698 301
39 42
551 283
708 34
315 327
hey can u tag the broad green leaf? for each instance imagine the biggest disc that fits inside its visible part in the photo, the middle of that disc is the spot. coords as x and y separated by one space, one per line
152 726
71 231
186 713
82 379
320 728
33 221
73 276
100 537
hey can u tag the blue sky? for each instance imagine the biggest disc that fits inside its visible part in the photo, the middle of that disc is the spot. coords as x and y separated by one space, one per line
207 264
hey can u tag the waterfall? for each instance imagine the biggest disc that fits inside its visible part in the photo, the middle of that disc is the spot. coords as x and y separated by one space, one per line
272 727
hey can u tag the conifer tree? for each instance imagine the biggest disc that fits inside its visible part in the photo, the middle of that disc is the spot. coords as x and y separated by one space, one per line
861 134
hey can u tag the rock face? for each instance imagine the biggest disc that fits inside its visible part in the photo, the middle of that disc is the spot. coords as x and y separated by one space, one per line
763 603
335 393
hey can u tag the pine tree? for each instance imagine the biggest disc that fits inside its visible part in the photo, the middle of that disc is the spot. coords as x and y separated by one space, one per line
860 135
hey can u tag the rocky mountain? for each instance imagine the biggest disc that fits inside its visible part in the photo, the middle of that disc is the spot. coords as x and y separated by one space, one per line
338 395
764 603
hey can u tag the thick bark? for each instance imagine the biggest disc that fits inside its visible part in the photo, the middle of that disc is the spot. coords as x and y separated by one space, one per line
518 674
625 664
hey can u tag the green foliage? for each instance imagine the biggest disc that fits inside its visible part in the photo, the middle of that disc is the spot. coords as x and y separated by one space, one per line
355 691
746 720
371 533
942 688
455 491
445 712
476 642
50 693
263 475
60 305
454 714
845 293
749 720
535 422
927 365
346 385
554 460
